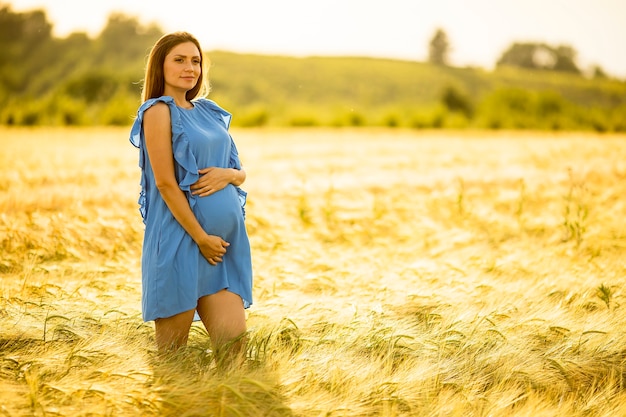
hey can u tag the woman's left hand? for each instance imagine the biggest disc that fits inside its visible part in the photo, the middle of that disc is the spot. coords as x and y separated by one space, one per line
211 180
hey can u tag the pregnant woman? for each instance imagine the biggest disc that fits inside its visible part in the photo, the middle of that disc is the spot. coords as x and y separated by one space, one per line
196 255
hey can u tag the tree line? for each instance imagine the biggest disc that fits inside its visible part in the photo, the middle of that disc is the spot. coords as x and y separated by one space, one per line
529 55
80 80
50 80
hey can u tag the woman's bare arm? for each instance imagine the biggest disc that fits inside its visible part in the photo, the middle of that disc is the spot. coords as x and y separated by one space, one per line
158 136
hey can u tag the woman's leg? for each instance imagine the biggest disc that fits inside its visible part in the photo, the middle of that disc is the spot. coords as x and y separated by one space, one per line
224 317
173 332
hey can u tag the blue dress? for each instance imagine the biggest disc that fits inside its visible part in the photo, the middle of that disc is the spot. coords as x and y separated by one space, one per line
174 272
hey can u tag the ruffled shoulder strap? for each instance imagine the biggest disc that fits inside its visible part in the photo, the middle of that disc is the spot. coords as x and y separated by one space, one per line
135 131
222 114
186 166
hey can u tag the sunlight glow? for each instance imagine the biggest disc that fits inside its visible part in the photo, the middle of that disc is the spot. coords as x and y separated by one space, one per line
479 30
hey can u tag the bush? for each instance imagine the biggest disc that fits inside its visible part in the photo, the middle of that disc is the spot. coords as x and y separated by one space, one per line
119 111
349 118
391 120
93 87
253 117
303 121
514 108
67 111
456 101
433 118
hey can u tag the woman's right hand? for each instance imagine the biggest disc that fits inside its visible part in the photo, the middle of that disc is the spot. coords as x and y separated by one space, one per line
213 248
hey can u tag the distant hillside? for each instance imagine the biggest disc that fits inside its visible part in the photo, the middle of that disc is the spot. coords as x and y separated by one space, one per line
343 91
79 80
291 91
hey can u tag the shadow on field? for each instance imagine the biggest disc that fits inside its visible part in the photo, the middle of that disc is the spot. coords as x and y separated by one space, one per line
12 344
188 383
30 345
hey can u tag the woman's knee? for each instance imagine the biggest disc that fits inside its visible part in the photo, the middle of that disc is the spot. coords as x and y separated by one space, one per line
223 315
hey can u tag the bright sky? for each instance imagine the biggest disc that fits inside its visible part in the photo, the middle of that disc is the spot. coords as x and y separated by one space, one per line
478 30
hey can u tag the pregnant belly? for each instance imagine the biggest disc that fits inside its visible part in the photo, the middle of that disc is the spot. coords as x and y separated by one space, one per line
220 213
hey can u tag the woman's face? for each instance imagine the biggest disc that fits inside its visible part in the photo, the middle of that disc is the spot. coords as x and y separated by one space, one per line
182 68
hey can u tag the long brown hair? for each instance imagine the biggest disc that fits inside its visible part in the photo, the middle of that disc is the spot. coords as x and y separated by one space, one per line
154 80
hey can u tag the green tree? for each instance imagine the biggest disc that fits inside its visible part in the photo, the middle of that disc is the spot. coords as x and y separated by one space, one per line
21 31
22 37
439 47
124 40
540 56
565 59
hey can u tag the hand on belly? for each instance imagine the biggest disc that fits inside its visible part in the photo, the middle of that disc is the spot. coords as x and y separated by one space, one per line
213 248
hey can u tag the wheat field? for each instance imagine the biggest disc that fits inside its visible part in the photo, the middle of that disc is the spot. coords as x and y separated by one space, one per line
397 273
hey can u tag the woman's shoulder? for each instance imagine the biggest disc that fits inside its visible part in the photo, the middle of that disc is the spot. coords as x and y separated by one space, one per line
158 111
159 106
153 111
